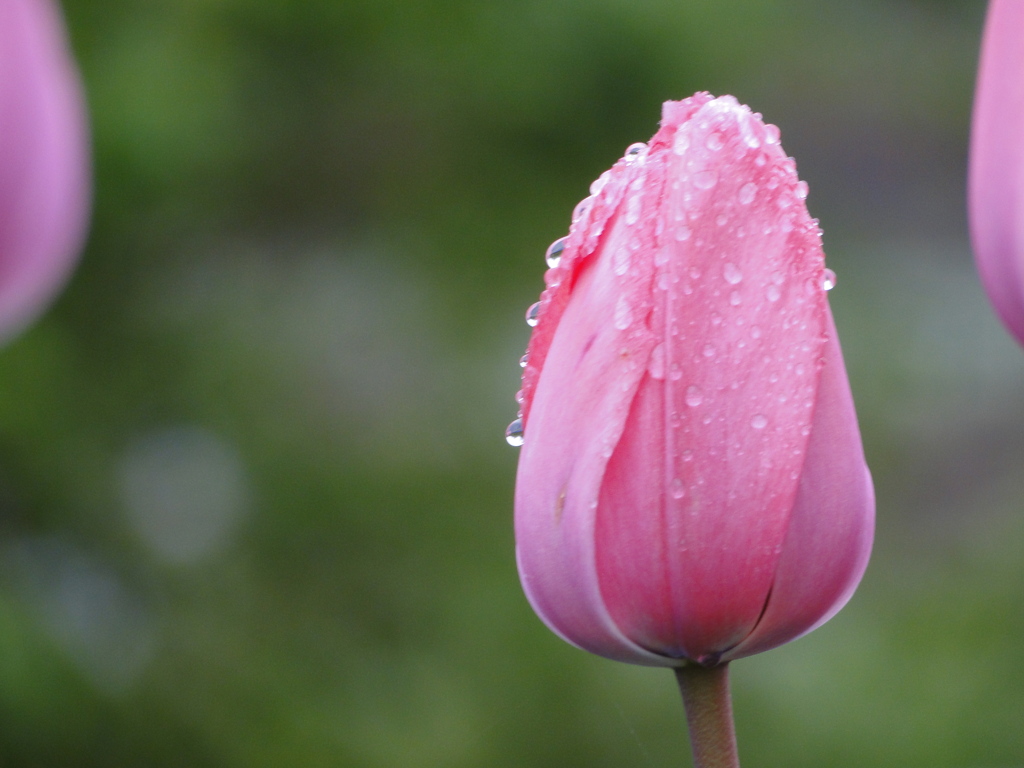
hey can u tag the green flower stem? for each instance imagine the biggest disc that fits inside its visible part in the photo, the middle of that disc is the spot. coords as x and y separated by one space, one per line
709 715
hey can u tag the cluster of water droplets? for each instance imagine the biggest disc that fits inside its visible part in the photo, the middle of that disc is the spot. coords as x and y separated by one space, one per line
775 187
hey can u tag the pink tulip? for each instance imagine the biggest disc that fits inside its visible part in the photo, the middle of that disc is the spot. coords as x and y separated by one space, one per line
44 160
691 483
996 179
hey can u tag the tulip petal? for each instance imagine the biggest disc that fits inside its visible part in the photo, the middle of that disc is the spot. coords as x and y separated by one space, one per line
577 416
832 523
996 178
708 466
44 166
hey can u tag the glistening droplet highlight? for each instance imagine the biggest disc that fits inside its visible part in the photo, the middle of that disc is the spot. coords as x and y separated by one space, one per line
555 251
514 433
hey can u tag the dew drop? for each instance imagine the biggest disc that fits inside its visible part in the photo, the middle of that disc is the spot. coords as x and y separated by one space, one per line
599 183
760 421
778 277
694 396
524 361
708 351
623 315
633 209
771 134
735 299
520 397
664 281
678 490
722 220
773 182
755 332
747 193
634 152
829 281
656 365
555 250
533 314
747 132
801 190
732 273
681 143
714 142
581 209
683 233
705 179
760 160
773 293
676 372
514 433
620 261
687 455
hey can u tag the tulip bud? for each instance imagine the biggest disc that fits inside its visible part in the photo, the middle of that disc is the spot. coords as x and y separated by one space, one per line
44 160
996 178
691 484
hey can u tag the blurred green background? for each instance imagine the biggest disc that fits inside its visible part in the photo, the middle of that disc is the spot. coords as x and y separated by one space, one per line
254 496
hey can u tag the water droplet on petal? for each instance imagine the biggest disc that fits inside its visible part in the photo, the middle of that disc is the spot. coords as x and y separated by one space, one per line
635 152
623 314
829 282
555 250
705 179
683 233
514 433
714 142
747 193
709 350
801 190
678 490
760 421
747 132
771 134
773 293
581 208
620 261
681 143
694 396
687 455
755 332
520 397
599 183
524 361
732 273
533 314
633 209
735 299
656 365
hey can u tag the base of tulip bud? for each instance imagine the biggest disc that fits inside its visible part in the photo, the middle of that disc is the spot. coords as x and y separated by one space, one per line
709 715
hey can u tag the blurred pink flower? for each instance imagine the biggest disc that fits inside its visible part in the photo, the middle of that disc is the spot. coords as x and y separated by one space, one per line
996 178
692 483
44 160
